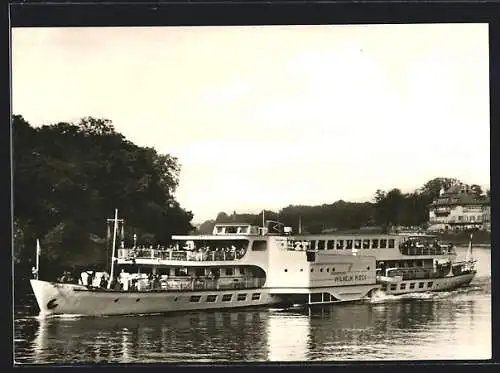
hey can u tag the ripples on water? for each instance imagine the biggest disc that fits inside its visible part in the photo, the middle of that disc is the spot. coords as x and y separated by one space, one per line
447 325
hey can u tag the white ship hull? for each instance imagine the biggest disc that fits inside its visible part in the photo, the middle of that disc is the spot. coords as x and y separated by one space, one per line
394 286
71 299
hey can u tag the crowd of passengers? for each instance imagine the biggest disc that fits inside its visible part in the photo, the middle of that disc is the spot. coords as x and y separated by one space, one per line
229 252
414 244
144 281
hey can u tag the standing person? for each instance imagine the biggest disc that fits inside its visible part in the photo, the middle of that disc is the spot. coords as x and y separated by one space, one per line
124 279
84 278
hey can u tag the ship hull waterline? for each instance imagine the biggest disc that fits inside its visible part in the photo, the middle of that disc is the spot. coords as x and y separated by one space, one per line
430 285
71 299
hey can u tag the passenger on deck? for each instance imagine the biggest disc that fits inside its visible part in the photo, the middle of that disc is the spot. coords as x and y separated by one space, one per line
124 279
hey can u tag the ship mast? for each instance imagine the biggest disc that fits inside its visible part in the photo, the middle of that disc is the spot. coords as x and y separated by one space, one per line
114 248
469 257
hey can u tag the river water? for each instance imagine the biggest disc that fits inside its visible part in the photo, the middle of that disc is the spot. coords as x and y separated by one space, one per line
438 326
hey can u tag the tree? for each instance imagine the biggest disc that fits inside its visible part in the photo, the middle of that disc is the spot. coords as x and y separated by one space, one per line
433 187
222 217
476 190
68 178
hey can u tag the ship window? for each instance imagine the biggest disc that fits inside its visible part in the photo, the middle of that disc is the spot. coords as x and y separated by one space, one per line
384 287
229 271
374 244
412 285
181 272
211 298
242 297
420 285
328 269
349 244
429 284
340 244
243 230
195 298
312 269
259 245
330 244
366 244
242 271
391 243
383 244
321 269
312 245
316 297
402 286
333 269
321 245
199 272
393 286
255 296
227 297
311 256
357 244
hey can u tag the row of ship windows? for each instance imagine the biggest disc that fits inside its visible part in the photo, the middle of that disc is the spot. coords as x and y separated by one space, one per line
225 297
421 285
356 244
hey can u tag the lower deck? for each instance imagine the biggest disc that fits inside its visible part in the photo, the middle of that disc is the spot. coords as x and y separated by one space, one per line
395 287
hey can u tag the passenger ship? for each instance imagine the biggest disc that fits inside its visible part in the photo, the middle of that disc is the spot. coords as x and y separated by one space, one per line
405 263
241 265
238 265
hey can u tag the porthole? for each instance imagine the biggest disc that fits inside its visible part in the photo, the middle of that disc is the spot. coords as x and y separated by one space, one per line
333 269
328 269
301 270
286 270
367 268
321 269
116 300
312 269
138 299
175 299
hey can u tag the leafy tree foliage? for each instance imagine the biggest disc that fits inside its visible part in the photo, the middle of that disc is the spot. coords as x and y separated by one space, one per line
69 178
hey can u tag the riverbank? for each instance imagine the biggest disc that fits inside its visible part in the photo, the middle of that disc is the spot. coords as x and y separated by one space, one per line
479 238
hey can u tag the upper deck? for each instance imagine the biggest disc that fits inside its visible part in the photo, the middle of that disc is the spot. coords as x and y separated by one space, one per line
232 241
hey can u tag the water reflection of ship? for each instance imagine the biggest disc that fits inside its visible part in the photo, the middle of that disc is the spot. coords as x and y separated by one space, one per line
229 336
288 336
323 333
373 324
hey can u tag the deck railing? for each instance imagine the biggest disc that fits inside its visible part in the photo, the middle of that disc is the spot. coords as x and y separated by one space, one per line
419 273
181 255
190 284
426 250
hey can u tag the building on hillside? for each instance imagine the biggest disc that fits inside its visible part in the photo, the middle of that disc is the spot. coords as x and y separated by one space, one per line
458 208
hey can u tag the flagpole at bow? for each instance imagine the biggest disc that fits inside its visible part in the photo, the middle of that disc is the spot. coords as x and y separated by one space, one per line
37 258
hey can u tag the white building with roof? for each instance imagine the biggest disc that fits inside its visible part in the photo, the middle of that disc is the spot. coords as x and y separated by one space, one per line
458 208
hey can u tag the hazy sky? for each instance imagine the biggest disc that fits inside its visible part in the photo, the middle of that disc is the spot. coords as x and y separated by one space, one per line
265 117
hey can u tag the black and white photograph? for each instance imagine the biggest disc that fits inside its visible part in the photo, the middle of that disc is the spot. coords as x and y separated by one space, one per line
234 194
